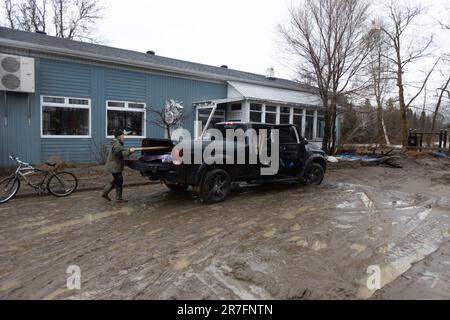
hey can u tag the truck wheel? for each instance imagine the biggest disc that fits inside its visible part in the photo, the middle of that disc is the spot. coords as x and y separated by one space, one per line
216 186
175 187
314 174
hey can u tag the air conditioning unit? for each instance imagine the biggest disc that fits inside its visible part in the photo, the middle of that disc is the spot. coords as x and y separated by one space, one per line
17 73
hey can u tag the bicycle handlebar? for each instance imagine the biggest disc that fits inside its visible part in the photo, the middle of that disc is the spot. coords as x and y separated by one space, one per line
14 158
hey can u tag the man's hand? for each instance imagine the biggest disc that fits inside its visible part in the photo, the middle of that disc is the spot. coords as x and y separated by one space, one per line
132 150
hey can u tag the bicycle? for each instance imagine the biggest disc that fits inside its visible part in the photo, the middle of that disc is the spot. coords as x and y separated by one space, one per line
58 184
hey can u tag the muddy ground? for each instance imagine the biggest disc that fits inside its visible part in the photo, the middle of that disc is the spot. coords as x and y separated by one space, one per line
272 242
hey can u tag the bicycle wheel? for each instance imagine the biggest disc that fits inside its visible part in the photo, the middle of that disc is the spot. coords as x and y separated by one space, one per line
62 184
8 188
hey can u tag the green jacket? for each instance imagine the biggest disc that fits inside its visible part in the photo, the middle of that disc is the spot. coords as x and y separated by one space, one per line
115 161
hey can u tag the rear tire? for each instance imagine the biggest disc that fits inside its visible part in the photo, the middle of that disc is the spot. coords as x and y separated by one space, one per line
9 188
216 186
314 174
62 184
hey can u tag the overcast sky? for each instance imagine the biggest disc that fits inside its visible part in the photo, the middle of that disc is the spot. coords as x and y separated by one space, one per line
239 33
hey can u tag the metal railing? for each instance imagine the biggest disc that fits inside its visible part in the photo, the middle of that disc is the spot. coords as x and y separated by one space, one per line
427 140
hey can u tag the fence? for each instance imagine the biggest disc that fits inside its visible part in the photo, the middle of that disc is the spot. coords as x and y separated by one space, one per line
416 140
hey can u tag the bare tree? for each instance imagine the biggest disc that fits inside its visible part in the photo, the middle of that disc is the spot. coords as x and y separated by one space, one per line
439 102
379 70
170 117
330 39
69 19
399 19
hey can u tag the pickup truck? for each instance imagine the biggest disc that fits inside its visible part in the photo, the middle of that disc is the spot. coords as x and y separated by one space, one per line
300 162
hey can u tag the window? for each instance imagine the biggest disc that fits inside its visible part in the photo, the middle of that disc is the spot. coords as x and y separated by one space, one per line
203 115
271 114
320 125
288 136
285 115
236 107
256 113
129 116
65 117
298 119
309 130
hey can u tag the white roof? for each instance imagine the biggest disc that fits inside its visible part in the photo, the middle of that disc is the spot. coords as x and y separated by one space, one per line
273 95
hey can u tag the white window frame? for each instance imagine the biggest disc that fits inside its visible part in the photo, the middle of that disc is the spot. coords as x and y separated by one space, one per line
65 105
127 109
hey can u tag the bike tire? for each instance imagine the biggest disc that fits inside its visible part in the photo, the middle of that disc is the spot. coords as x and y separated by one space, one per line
61 178
16 186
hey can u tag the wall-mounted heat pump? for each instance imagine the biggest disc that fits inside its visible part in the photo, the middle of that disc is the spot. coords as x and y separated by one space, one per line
17 73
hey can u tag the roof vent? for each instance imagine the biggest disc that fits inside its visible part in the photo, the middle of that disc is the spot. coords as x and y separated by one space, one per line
152 53
41 32
270 73
224 66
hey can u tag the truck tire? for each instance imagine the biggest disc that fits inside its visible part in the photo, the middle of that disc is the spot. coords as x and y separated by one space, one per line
216 186
314 174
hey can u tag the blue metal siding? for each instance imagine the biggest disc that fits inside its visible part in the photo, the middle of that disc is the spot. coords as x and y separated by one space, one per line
125 85
67 79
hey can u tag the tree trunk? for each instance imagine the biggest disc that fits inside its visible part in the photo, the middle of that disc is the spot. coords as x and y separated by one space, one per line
401 95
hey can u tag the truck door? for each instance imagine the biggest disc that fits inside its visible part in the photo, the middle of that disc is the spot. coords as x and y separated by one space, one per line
291 154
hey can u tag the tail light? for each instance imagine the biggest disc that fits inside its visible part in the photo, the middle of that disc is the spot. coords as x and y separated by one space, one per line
177 156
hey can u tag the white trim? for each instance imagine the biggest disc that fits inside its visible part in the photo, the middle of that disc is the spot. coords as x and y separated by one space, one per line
65 105
127 109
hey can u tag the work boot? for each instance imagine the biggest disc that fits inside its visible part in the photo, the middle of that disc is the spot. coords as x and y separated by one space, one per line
106 191
119 198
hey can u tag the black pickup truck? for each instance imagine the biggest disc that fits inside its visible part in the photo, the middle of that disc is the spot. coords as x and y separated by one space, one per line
300 162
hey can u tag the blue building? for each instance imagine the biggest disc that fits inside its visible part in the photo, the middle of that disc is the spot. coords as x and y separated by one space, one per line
62 99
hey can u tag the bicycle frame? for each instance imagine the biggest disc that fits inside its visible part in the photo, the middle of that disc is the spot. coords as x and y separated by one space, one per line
25 169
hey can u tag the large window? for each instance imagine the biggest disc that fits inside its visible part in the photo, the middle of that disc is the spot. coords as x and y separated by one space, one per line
65 117
129 116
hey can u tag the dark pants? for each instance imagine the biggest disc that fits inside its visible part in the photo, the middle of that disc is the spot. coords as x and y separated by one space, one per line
117 184
117 180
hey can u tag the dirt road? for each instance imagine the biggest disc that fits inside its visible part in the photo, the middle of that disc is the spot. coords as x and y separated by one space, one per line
283 242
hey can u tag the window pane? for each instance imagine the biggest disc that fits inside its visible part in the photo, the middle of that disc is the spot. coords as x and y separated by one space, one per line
287 136
298 120
236 107
271 109
285 118
256 117
286 110
81 102
136 105
126 120
271 118
54 100
298 111
309 128
320 128
116 104
255 107
65 121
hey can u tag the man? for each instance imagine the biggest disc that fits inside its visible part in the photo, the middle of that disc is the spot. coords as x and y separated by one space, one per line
115 165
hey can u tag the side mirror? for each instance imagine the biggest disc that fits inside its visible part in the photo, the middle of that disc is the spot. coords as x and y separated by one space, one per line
305 141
